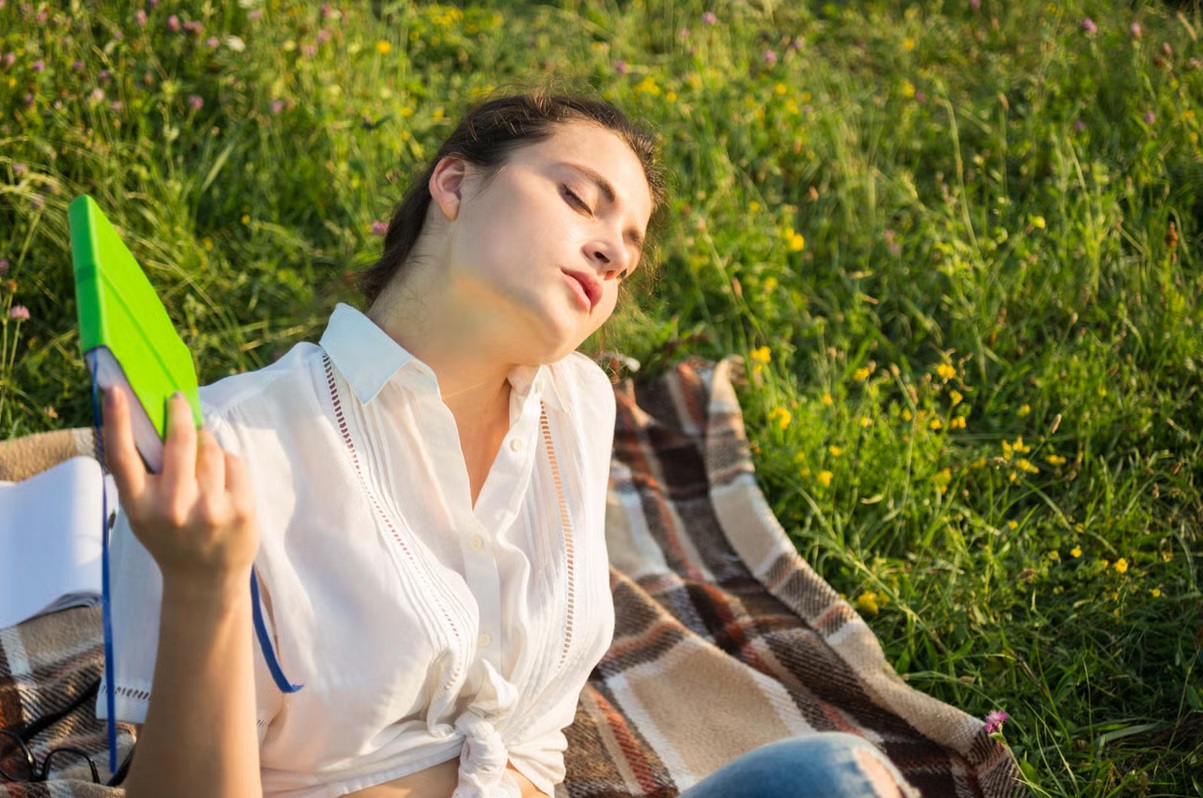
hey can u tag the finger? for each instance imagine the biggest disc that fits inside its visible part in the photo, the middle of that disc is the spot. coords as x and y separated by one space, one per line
120 454
210 464
179 452
238 484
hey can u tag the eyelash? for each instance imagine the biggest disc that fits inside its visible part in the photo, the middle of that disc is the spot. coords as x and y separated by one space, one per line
573 199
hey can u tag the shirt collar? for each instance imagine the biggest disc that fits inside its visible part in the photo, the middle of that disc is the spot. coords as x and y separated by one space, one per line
368 358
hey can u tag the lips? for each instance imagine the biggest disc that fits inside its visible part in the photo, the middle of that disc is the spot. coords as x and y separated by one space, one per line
589 287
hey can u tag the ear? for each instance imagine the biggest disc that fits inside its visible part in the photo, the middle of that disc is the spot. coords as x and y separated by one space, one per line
447 184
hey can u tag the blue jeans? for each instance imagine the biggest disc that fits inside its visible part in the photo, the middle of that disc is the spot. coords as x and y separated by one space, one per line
824 765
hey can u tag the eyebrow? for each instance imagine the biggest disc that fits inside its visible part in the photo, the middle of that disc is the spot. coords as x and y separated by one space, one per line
607 190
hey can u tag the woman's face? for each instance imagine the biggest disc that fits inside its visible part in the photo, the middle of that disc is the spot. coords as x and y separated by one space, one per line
543 243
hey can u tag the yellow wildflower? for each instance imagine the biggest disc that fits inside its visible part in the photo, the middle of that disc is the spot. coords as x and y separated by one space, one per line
796 242
1055 460
761 354
1023 411
936 424
955 397
781 416
865 421
826 399
1054 555
867 602
1025 465
946 371
1012 525
754 207
1155 592
1038 222
908 44
1076 552
957 423
835 451
908 89
770 284
648 86
907 415
383 47
861 373
780 88
1121 566
824 478
1166 556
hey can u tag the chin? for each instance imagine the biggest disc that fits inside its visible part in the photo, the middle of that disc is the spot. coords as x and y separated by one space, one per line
553 331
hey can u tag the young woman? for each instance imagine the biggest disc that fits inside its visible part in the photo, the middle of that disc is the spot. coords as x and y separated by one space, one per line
420 496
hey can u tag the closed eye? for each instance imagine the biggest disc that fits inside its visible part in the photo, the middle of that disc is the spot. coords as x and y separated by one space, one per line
575 201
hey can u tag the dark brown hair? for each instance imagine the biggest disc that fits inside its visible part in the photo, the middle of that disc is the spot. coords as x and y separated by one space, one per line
484 137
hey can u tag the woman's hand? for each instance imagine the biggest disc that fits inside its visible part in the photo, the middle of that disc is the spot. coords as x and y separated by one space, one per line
196 518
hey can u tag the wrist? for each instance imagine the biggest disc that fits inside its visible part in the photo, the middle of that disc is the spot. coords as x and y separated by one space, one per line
203 590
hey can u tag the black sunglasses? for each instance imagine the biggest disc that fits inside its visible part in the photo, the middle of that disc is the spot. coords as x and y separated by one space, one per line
18 763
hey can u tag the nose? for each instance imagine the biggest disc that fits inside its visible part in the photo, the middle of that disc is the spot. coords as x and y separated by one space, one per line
609 257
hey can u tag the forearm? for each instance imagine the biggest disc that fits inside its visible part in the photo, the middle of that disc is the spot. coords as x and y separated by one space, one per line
199 738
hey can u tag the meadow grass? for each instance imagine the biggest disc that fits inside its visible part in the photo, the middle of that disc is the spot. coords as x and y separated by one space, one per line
955 242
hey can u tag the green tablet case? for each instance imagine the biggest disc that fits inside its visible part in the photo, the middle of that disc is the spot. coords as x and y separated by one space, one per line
124 330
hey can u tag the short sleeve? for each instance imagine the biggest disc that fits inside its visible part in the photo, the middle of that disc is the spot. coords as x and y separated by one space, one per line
136 592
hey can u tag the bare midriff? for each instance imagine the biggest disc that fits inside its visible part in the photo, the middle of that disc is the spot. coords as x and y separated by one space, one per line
437 782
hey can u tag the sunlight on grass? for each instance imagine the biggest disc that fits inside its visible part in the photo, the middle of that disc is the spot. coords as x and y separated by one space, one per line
955 247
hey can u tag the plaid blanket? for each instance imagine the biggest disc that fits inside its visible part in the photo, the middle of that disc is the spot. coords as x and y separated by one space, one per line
725 640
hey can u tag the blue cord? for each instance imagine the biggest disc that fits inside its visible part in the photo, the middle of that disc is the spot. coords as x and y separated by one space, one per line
265 643
106 608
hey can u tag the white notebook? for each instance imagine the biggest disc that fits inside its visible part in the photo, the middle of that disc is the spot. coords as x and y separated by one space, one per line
50 539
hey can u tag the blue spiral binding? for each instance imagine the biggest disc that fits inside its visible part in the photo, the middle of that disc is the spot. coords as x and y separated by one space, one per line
265 644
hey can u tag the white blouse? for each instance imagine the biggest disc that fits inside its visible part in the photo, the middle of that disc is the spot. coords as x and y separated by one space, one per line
422 628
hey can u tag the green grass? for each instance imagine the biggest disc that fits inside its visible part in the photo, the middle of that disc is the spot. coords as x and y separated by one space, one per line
940 234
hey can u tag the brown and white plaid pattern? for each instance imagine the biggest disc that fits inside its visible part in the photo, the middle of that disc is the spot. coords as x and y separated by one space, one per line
725 639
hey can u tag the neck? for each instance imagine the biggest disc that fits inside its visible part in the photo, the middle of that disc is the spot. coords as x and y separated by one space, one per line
473 374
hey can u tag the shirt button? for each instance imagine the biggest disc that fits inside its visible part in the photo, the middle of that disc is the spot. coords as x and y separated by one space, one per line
515 444
485 640
477 543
